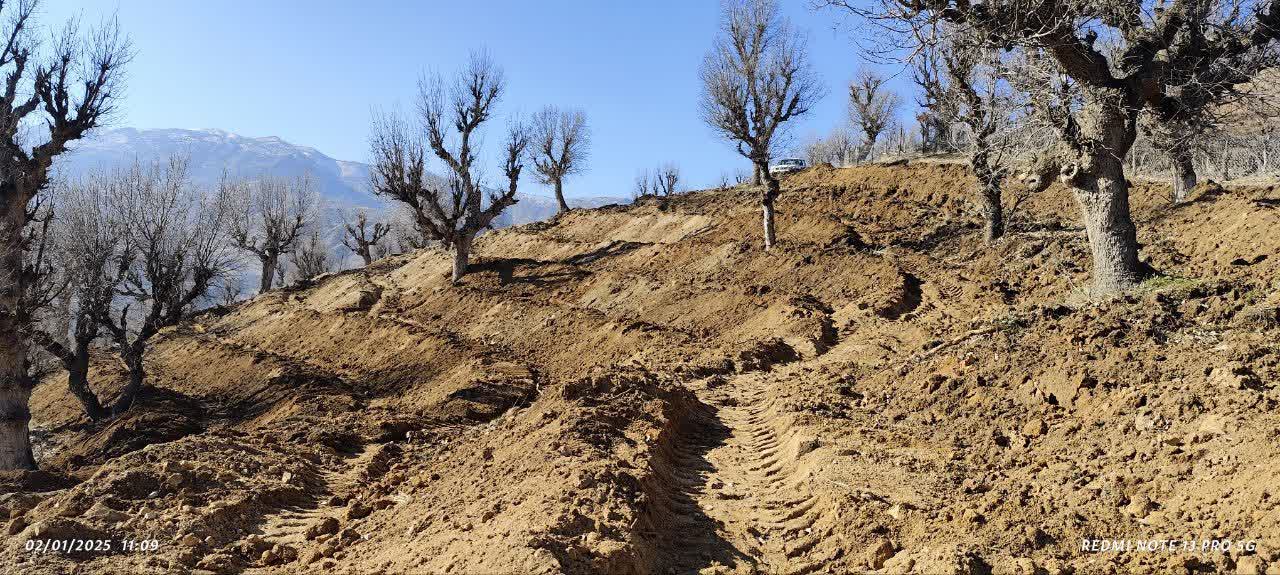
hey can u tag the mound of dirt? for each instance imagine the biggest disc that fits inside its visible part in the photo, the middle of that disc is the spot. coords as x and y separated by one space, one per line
643 389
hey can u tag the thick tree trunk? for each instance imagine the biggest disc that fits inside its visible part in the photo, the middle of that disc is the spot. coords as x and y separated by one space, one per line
756 177
137 374
771 190
1184 176
461 252
564 208
1103 197
15 387
864 150
366 254
78 383
268 274
992 212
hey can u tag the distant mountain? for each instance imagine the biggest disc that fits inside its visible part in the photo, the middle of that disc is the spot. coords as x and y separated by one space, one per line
342 184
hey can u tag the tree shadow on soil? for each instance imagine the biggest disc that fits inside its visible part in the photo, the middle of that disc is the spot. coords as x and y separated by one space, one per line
550 273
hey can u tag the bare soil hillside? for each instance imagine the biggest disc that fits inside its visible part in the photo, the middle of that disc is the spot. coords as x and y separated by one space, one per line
642 389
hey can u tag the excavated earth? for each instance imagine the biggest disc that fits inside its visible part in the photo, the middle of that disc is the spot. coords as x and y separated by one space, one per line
643 389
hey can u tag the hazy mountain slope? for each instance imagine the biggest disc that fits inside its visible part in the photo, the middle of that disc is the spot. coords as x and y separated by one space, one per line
342 184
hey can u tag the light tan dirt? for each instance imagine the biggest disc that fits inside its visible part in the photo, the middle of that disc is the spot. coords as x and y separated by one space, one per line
642 389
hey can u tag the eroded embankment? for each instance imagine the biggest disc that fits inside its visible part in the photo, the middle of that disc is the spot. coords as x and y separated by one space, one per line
640 389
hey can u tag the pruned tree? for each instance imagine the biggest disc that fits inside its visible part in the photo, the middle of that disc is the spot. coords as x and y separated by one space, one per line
362 238
937 104
272 214
871 108
92 250
561 141
179 250
70 89
1124 57
451 211
641 186
975 94
311 258
755 79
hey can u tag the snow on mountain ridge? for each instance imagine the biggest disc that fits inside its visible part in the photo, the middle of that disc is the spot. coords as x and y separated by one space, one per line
342 184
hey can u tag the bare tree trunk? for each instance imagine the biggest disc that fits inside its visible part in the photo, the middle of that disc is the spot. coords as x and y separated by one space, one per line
992 211
78 382
366 254
268 274
771 191
462 251
756 177
1184 176
564 208
864 151
130 391
1103 197
15 391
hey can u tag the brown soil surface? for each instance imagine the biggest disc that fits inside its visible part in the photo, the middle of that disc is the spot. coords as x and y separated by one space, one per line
642 389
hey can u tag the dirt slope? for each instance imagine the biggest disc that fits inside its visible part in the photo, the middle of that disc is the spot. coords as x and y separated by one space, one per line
643 390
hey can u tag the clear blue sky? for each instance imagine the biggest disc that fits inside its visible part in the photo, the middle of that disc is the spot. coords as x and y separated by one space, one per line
311 71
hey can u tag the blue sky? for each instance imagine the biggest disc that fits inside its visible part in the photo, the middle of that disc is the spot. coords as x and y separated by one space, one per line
311 71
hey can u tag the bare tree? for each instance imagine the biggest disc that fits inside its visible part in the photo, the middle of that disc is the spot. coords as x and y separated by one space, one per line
666 180
363 238
311 258
560 145
91 248
641 187
272 214
229 291
975 96
938 107
179 250
453 211
70 90
1124 58
871 108
757 78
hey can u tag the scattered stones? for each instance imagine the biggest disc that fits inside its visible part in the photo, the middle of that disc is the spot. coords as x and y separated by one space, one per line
1034 428
101 512
190 540
1139 506
326 526
805 445
879 552
358 510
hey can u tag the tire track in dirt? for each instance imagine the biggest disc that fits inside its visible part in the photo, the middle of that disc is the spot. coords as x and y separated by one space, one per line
289 525
734 495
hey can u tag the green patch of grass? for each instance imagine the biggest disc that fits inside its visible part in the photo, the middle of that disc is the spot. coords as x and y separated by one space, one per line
1179 287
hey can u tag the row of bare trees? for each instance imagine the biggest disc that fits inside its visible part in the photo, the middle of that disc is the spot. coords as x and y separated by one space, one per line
661 182
121 256
1097 72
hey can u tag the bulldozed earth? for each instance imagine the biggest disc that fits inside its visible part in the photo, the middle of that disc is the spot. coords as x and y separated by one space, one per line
643 389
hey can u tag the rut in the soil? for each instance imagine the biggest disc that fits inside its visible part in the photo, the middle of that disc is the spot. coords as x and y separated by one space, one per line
734 496
333 484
